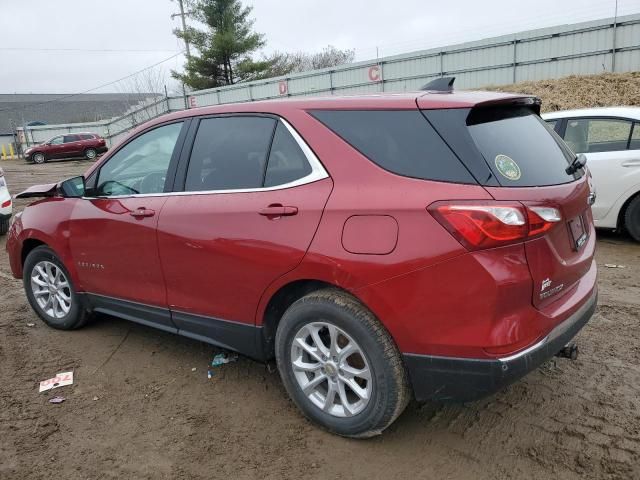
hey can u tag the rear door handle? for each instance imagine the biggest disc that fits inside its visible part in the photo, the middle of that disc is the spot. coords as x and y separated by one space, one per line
277 210
142 212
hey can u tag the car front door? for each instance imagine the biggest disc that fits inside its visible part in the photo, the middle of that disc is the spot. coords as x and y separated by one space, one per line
54 148
604 141
113 229
252 199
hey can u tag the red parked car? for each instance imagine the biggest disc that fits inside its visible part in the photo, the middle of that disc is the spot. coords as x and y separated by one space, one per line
72 145
432 244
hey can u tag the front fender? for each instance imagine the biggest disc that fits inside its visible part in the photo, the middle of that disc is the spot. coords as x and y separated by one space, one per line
43 222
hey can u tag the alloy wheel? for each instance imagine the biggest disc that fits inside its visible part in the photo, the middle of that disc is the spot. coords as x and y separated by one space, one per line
51 289
331 369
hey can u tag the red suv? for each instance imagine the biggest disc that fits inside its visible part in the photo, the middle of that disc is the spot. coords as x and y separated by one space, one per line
434 244
72 145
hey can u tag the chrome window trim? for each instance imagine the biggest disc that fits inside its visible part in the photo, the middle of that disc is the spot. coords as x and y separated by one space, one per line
318 172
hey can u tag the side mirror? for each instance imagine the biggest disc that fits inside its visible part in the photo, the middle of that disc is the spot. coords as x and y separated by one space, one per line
72 188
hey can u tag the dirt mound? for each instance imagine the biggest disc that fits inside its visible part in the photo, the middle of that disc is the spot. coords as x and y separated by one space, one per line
581 91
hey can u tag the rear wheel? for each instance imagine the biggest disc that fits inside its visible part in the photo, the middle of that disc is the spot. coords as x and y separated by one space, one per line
340 366
632 218
90 154
50 291
39 158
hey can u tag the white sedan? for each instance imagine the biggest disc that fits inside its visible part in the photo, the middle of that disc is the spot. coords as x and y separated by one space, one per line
610 139
5 204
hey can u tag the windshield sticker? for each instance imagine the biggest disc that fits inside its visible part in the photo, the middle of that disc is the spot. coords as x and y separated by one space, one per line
507 167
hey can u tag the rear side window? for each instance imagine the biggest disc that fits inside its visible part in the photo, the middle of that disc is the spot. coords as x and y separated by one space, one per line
86 136
591 135
634 144
229 153
70 138
400 141
519 147
287 161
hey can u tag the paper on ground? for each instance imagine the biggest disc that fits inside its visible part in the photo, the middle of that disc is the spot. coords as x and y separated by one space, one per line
60 380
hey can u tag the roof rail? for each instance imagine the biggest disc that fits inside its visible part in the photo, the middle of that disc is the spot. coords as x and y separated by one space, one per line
442 84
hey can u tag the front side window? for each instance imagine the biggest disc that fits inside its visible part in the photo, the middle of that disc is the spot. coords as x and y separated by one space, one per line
552 123
56 141
591 135
229 153
141 166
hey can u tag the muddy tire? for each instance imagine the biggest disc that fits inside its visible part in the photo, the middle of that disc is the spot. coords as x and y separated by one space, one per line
340 365
50 291
632 218
90 154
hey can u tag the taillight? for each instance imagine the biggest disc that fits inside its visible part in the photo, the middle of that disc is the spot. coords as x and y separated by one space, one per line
482 224
6 204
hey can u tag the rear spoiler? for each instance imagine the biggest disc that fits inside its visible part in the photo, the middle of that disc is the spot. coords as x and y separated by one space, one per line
44 190
531 102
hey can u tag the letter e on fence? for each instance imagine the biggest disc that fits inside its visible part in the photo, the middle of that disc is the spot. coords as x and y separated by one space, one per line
192 102
283 88
374 73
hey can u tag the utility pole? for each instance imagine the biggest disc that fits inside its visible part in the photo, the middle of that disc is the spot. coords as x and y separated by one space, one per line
613 51
182 16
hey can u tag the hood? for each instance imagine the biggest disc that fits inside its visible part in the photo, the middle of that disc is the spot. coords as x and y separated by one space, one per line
44 190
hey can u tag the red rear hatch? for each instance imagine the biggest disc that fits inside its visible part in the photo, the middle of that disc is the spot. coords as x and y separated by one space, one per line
563 255
523 164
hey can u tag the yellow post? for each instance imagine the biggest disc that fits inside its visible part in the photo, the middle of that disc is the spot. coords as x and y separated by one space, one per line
11 150
4 153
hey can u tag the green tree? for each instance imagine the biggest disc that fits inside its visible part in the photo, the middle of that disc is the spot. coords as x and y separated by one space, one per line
224 47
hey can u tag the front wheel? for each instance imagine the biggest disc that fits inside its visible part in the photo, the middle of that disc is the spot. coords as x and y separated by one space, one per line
90 154
340 366
632 218
50 291
39 158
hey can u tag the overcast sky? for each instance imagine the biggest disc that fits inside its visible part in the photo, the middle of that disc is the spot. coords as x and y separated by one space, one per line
69 46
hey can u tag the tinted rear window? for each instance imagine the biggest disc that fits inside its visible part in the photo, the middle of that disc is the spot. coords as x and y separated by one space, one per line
519 147
402 142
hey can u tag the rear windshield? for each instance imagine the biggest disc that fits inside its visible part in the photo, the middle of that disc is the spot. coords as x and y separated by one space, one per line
400 141
519 147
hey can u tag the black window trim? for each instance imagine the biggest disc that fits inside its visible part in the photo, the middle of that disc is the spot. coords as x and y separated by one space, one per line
318 171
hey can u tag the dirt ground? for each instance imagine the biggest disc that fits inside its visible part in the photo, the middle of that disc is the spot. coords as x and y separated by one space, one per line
137 410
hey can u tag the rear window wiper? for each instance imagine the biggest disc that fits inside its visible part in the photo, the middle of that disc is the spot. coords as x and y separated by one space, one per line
578 163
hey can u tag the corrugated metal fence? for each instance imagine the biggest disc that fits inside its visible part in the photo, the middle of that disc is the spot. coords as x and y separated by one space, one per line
584 48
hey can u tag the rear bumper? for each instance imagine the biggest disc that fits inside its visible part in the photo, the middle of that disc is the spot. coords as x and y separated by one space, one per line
464 379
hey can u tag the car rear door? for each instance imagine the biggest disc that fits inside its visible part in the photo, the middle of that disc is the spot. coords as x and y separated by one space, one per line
112 231
253 195
615 168
72 146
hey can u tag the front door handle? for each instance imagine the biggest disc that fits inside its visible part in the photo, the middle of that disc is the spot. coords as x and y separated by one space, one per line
142 212
278 210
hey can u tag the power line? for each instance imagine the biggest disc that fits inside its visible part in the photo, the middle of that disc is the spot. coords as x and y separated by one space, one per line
71 95
86 50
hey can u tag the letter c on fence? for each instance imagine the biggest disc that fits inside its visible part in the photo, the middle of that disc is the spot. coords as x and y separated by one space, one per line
192 102
283 88
374 73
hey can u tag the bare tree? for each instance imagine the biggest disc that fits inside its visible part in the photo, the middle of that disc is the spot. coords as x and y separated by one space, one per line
283 63
147 88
